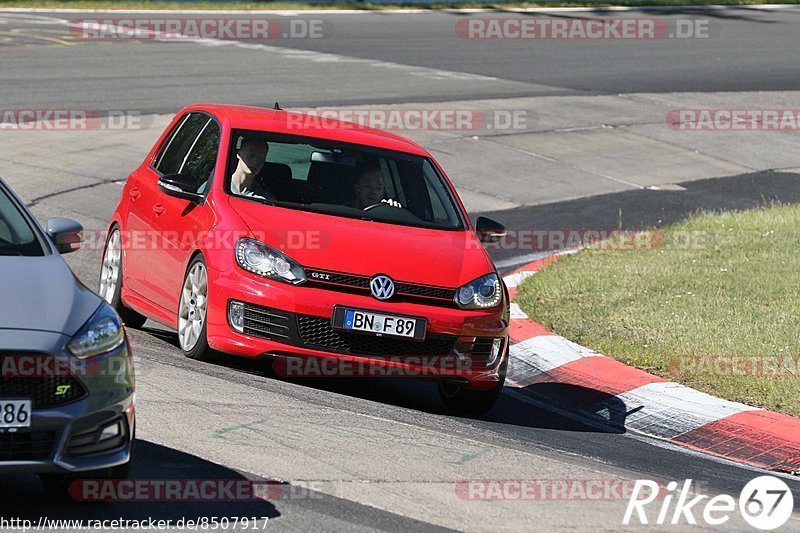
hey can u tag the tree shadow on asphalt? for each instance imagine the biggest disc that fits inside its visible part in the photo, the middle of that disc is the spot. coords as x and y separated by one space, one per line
161 333
554 406
25 498
642 208
592 409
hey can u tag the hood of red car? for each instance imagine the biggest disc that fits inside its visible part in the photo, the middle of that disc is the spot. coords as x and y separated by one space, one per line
419 255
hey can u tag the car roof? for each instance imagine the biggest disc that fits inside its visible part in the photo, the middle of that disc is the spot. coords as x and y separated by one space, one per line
307 125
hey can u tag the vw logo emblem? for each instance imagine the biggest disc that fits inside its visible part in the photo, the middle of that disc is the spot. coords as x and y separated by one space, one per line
382 287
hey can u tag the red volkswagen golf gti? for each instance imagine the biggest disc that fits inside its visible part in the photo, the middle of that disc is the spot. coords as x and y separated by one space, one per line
331 248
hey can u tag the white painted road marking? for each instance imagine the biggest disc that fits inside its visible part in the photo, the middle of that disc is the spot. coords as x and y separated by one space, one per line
514 280
534 357
665 409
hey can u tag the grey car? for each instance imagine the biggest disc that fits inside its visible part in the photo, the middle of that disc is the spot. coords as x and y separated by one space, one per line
66 379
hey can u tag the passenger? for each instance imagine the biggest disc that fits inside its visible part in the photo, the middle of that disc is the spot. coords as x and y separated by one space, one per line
252 156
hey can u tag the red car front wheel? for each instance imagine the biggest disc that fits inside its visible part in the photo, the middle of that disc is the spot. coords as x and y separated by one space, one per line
193 312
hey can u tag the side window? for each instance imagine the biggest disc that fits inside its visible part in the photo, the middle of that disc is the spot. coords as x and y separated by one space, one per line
439 212
5 232
14 229
437 197
394 185
174 153
203 155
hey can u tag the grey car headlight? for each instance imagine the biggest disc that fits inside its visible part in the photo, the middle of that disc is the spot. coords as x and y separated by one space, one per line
482 293
101 333
258 258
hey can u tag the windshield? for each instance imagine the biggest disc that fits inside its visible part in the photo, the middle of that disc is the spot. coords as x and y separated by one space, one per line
17 237
340 179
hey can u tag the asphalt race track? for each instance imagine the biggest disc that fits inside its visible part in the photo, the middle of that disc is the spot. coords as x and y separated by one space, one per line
382 454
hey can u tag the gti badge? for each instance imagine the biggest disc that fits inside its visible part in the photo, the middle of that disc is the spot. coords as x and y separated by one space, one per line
382 287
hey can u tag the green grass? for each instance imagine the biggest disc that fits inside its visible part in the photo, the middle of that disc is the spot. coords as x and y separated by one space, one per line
351 4
731 294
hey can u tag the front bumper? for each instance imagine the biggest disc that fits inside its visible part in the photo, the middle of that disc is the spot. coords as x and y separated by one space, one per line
66 438
307 313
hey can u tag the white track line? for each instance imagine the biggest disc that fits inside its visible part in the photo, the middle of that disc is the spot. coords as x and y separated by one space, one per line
666 409
322 57
318 57
517 313
529 258
534 357
514 280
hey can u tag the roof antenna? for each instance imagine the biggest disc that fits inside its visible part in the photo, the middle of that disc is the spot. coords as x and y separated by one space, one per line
278 106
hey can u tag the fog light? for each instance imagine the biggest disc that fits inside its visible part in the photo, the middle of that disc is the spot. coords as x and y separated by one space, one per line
463 348
497 346
236 315
109 432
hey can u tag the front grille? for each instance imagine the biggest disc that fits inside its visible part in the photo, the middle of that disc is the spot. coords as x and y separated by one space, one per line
425 291
334 278
43 391
32 446
482 347
478 349
269 323
317 331
338 281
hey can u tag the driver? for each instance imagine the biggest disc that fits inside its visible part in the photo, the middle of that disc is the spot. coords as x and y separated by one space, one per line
369 188
252 156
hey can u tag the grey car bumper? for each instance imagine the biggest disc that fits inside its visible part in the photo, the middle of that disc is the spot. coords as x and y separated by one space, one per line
79 436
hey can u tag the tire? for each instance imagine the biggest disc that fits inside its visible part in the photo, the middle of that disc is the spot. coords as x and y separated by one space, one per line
192 313
110 288
460 399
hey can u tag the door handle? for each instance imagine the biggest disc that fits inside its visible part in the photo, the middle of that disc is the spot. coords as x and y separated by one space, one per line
135 193
158 209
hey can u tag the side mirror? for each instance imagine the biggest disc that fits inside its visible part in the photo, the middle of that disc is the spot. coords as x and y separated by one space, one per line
65 234
488 230
182 186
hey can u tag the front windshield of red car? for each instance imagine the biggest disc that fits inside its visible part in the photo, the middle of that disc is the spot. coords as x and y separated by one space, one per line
340 179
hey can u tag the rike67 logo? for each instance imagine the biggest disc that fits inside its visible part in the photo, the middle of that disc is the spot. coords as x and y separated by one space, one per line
766 503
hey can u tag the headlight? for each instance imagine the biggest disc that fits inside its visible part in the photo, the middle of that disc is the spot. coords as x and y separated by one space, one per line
101 333
258 258
482 293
